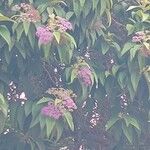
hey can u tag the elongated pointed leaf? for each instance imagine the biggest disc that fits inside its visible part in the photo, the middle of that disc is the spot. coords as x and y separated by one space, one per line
4 32
69 119
50 123
111 122
43 100
57 36
127 132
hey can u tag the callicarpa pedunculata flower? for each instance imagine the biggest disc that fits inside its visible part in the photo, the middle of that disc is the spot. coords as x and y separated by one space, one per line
63 102
55 24
85 75
27 13
69 103
44 34
63 24
51 111
138 37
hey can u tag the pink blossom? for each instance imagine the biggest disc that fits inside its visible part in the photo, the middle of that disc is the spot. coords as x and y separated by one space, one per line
51 111
69 103
85 74
138 37
140 33
64 24
32 15
44 35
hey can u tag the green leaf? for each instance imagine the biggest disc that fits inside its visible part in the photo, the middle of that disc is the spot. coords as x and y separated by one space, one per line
36 109
145 17
132 7
19 31
68 73
131 90
31 35
115 69
2 100
127 47
32 145
133 51
95 3
108 14
46 51
111 122
10 2
127 132
34 121
104 47
69 119
130 28
141 62
4 32
76 7
103 7
71 39
82 2
69 15
3 105
93 37
2 122
95 77
130 120
50 124
59 129
102 78
65 52
43 100
42 120
135 80
57 36
31 1
110 3
5 18
28 107
146 44
73 75
26 26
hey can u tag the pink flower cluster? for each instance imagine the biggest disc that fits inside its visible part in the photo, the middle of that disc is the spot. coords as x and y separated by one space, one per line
44 35
84 73
138 37
51 111
31 16
56 111
69 104
27 12
25 6
64 24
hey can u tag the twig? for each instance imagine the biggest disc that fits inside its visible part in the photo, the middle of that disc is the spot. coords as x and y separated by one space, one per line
120 24
48 73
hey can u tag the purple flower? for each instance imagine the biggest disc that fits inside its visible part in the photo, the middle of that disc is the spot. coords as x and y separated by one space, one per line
85 74
140 33
64 24
138 37
32 15
51 111
69 103
44 35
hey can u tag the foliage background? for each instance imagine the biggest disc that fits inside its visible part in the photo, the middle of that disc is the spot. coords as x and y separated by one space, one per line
103 32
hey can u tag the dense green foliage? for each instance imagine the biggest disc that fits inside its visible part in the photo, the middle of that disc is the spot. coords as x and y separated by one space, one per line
108 48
